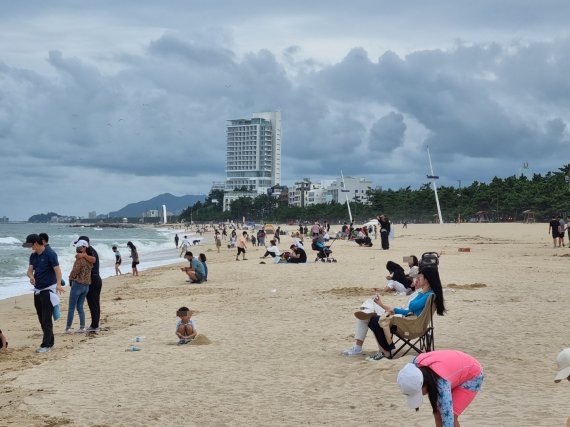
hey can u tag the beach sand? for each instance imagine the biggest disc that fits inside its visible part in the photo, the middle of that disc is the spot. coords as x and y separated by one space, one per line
271 337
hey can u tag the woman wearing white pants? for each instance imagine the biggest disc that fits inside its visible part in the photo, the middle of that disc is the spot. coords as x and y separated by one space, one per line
368 309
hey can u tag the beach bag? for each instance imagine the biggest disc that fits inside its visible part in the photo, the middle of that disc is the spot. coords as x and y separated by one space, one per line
429 259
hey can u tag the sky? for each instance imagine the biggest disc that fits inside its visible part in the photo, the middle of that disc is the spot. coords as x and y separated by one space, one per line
106 103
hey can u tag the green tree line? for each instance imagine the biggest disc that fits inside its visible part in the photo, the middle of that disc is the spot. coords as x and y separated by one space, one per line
501 200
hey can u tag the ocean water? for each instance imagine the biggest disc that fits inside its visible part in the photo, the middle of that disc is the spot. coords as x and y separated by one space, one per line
155 247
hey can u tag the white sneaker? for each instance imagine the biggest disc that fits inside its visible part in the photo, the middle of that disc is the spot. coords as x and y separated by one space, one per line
43 350
68 331
352 351
81 331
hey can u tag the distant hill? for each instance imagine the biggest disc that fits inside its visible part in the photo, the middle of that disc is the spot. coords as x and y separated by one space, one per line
174 204
43 217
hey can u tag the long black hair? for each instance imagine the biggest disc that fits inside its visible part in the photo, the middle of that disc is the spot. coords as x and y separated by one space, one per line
392 267
430 381
431 274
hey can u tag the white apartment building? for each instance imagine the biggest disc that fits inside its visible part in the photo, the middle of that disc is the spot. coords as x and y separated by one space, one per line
356 188
253 156
330 190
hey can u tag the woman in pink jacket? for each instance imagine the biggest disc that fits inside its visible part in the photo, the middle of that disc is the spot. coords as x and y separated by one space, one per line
450 378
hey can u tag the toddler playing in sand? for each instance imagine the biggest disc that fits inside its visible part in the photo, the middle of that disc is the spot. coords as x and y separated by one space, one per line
185 328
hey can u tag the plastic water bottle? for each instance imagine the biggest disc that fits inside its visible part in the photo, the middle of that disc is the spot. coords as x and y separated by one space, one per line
133 348
138 339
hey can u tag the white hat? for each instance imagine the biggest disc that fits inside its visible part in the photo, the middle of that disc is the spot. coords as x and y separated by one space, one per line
410 380
563 361
81 243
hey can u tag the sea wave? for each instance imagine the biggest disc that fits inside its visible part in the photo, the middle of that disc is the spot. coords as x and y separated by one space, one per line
10 241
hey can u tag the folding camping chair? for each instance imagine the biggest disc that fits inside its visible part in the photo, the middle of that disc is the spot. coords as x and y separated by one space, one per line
414 332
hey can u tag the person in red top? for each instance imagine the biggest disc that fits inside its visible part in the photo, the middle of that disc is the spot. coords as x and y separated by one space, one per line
450 378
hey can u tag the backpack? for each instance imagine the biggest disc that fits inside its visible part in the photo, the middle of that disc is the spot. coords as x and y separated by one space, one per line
429 259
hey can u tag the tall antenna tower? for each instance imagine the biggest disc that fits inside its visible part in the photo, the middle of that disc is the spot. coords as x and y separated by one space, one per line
434 178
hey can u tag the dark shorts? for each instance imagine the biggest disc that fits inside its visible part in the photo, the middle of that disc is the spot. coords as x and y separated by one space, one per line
134 264
555 234
241 251
118 262
561 235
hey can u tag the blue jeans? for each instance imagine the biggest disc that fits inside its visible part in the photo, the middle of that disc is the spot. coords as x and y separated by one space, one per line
76 300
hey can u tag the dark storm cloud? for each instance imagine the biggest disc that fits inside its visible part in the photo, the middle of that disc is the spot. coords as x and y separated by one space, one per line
387 133
362 87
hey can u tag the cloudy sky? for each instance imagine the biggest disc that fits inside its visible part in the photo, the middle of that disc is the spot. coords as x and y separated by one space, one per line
106 103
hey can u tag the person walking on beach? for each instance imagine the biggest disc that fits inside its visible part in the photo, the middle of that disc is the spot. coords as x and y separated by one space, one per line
118 261
218 242
176 238
277 235
134 258
79 280
561 230
45 276
94 294
553 228
450 378
184 245
241 246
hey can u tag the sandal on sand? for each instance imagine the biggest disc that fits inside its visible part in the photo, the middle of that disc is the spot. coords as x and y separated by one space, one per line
182 342
377 356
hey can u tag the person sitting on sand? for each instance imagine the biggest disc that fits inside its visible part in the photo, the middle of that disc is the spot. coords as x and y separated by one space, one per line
203 261
3 342
196 272
297 255
413 263
185 327
397 280
272 250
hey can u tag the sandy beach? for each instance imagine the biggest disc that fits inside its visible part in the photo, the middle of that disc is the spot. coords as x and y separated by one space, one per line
271 337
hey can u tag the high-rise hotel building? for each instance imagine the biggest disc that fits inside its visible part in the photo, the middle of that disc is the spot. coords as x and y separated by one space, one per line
253 156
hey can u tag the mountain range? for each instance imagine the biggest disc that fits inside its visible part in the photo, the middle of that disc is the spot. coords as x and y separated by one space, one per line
174 204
